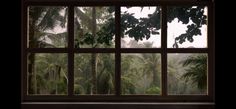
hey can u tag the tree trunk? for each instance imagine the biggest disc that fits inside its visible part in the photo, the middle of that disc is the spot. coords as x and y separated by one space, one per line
94 55
155 77
94 73
57 76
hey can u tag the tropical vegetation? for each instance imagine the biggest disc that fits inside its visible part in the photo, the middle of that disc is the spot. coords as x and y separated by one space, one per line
94 73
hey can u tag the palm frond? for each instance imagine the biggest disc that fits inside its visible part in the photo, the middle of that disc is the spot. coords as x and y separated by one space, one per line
51 18
197 72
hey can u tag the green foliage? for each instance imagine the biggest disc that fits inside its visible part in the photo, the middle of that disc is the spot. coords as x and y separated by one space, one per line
42 19
105 74
82 72
139 72
180 79
128 86
153 90
79 89
185 14
197 71
51 74
105 28
143 27
106 33
140 28
47 17
51 71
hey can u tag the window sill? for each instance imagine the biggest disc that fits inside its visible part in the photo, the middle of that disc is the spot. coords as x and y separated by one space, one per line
118 105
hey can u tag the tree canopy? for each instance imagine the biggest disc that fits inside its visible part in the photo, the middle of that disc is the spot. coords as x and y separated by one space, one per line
192 16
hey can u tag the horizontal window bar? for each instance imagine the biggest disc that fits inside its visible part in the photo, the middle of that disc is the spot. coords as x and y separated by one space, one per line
116 2
123 50
95 50
187 50
47 50
136 103
111 98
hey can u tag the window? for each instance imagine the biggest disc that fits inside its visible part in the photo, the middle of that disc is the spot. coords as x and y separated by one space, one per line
154 51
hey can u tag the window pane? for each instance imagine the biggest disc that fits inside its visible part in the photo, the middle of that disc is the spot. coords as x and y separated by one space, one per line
47 73
187 27
94 73
141 73
187 73
47 27
94 27
140 27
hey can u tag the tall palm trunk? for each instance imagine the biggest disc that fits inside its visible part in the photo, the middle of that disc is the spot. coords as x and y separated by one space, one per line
57 76
156 80
32 80
94 55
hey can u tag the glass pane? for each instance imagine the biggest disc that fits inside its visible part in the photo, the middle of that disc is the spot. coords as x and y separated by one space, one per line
140 73
140 27
47 27
187 27
47 73
94 27
94 73
187 73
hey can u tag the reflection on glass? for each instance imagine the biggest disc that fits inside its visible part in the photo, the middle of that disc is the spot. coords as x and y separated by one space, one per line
94 27
187 73
94 73
187 27
47 73
141 73
47 27
140 27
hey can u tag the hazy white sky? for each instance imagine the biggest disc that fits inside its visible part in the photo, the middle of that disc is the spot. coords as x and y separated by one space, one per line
175 28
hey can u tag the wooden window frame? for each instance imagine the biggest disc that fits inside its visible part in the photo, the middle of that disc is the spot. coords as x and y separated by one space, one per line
210 50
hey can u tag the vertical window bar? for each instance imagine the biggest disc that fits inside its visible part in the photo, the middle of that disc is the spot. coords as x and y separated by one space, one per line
70 50
164 49
23 48
211 49
118 55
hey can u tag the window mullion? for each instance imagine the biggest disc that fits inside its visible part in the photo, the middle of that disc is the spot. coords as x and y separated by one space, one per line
24 54
164 50
70 50
211 50
118 55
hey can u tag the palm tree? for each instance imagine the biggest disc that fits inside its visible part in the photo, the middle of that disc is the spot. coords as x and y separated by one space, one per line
51 73
197 70
105 74
92 24
40 20
137 69
128 74
89 31
82 73
176 85
150 65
